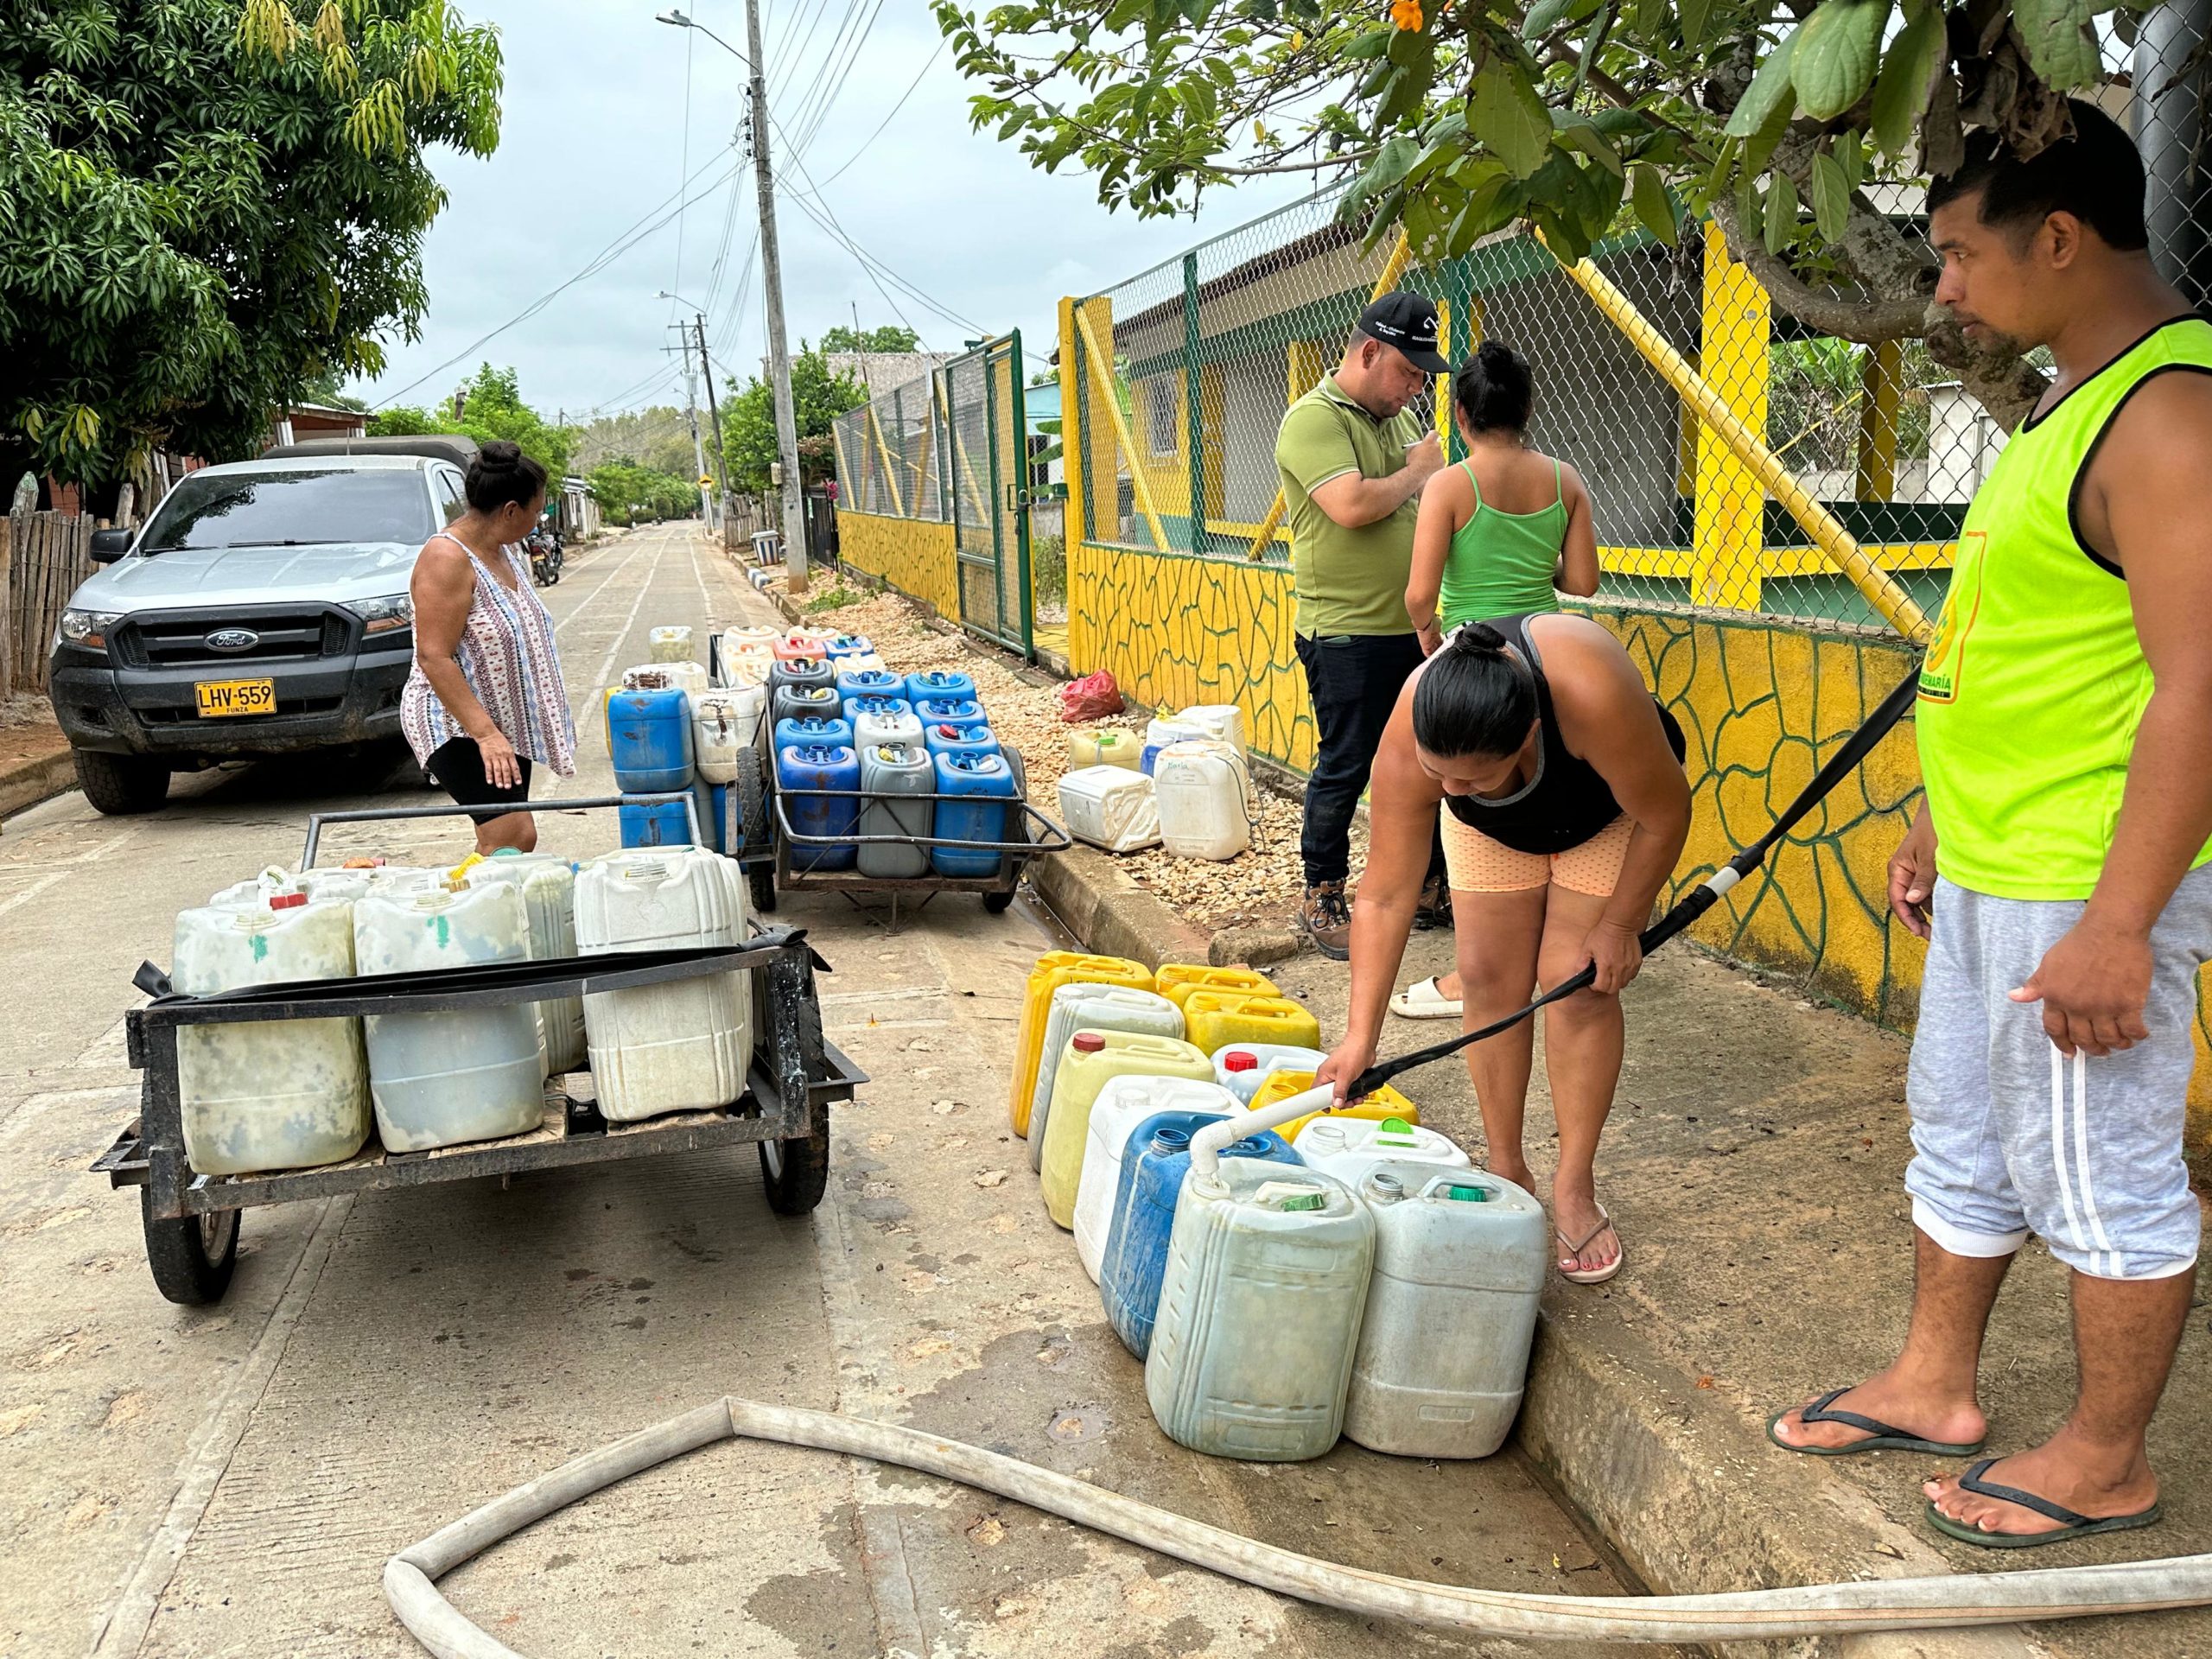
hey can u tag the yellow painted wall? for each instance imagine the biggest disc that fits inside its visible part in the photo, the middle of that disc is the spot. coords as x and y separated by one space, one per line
915 556
1177 630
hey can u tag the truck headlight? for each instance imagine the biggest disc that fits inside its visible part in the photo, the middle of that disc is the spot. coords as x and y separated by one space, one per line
88 629
386 615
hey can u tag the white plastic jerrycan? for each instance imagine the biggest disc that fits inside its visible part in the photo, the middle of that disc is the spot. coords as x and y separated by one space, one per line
1259 1310
278 1094
440 1079
1091 1008
548 895
1222 722
1443 1354
679 1046
1347 1147
721 731
1241 1068
1123 1103
1201 790
1111 806
670 645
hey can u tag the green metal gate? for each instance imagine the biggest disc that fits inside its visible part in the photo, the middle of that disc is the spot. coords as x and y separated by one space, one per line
987 478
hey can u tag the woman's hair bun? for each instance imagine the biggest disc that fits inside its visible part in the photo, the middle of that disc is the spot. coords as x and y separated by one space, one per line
501 475
1475 637
1495 389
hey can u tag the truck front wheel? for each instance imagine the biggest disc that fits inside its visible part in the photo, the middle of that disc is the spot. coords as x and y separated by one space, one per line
119 785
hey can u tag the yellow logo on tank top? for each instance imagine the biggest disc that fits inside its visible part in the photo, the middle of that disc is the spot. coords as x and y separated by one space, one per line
1943 668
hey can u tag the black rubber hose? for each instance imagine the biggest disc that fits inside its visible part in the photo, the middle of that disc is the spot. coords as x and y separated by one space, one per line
1700 898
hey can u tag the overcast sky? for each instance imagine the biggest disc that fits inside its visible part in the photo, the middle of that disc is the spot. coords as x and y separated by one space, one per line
594 139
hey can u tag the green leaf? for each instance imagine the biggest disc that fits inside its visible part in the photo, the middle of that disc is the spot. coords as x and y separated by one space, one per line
1901 93
1547 14
1760 147
1851 155
1697 19
1839 47
1770 89
1373 44
1831 196
1491 206
1781 212
1508 117
1579 132
2060 47
1653 205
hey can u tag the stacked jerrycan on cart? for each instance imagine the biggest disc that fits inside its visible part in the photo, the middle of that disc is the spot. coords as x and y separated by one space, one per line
280 1095
548 884
440 1079
684 1046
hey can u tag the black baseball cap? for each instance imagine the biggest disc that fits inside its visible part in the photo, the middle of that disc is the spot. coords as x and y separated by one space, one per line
1408 322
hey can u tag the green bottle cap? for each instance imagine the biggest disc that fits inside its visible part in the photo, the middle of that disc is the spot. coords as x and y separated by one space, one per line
1306 1201
1468 1194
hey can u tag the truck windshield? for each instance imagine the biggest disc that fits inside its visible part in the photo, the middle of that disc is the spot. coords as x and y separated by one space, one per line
291 509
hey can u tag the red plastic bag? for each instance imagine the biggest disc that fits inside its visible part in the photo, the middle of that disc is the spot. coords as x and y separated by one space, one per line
1092 697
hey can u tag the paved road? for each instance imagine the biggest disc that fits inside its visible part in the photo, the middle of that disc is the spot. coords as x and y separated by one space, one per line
227 1481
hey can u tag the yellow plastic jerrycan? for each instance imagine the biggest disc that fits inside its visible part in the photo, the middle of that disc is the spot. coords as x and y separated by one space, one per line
1176 979
1091 1058
1385 1102
1213 1019
1054 969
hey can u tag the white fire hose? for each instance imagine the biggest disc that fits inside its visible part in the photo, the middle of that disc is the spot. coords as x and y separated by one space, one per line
409 1578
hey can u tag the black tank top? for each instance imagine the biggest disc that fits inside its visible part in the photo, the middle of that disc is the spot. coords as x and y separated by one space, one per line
1565 803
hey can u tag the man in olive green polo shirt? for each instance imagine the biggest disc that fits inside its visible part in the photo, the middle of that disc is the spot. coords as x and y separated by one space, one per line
1353 463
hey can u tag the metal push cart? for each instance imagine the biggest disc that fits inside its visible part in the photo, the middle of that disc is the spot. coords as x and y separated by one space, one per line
191 1220
1030 833
760 835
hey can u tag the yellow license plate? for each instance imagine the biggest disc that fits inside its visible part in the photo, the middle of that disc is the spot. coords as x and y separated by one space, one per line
221 699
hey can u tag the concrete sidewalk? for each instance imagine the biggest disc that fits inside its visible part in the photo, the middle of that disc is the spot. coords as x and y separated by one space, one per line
1754 1163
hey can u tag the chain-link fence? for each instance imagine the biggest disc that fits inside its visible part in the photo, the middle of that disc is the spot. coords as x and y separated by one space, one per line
888 452
1183 374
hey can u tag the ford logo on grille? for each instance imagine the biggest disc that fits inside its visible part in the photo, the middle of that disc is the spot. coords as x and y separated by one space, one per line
233 640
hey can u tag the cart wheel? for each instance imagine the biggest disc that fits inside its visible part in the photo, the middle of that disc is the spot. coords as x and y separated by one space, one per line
798 1170
191 1257
995 903
753 823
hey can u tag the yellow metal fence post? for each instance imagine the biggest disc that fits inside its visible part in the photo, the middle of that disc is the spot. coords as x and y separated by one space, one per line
1890 602
1881 393
1100 356
1730 516
890 471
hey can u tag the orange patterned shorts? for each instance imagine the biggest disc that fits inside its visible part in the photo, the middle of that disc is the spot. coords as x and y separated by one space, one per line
1475 863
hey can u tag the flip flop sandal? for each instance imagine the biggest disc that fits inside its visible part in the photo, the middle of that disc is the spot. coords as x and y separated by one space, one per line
1886 1438
2071 1525
1591 1275
1422 1000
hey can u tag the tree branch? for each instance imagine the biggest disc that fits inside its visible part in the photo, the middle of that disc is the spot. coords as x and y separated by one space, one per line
1847 316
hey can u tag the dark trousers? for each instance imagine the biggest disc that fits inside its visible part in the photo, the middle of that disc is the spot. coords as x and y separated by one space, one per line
1354 680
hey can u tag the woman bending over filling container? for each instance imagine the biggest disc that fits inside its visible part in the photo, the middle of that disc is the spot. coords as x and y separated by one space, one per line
1565 808
1502 533
485 700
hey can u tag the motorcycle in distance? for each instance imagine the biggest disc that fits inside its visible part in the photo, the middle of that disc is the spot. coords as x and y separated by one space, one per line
544 545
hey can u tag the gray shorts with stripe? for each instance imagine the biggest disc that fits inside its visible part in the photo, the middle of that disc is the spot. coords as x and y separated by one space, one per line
2011 1138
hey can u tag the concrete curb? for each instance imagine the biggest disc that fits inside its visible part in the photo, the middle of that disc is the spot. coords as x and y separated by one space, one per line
1110 914
34 781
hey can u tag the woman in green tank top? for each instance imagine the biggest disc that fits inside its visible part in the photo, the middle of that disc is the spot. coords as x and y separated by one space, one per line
1508 530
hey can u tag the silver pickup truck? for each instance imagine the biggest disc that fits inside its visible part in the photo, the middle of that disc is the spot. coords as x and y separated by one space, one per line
261 611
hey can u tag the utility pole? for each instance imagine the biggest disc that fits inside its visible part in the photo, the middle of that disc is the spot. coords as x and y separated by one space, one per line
714 412
779 355
772 274
691 413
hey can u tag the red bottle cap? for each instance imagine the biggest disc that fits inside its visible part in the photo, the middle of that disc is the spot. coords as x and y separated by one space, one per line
287 900
1087 1042
1238 1060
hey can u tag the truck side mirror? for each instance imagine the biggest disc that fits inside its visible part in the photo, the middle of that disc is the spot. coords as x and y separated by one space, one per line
109 546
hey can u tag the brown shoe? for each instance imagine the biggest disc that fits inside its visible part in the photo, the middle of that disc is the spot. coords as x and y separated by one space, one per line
1434 908
1326 918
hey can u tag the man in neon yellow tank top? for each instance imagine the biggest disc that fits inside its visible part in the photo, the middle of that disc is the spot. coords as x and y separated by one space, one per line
2065 723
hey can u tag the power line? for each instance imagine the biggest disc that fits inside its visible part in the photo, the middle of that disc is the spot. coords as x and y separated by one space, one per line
683 166
811 202
606 256
832 83
895 108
